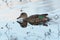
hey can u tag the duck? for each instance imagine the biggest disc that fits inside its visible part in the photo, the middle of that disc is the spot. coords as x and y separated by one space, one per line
36 19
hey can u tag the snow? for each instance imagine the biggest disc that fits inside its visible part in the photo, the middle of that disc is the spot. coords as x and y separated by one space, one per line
11 30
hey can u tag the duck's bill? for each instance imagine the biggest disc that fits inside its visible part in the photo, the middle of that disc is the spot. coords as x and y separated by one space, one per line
23 24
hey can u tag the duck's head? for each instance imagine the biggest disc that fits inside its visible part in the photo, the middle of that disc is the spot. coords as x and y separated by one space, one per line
21 21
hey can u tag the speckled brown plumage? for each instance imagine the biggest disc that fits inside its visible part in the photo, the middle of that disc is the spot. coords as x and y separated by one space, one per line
33 20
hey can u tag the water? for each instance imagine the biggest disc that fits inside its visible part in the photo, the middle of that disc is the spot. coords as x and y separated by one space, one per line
11 30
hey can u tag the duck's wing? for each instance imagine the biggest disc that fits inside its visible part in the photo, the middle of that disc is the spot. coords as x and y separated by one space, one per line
44 15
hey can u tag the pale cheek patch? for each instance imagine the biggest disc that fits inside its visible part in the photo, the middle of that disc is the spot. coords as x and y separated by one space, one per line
20 20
